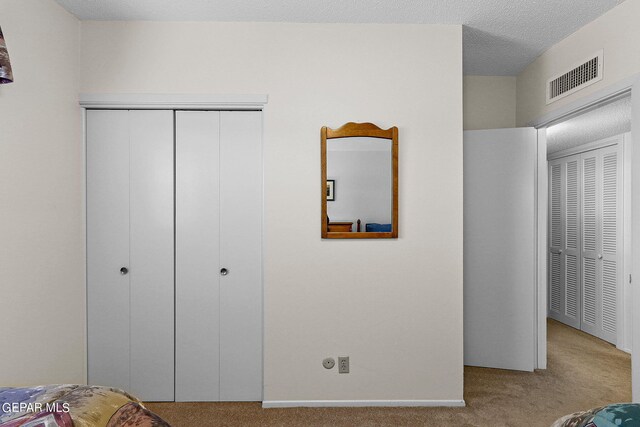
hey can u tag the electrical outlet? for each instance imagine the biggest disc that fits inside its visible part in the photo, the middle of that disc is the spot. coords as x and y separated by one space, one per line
343 364
329 363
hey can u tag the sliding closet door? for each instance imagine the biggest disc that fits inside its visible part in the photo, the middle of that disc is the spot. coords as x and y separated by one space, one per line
197 255
564 240
130 251
218 256
240 249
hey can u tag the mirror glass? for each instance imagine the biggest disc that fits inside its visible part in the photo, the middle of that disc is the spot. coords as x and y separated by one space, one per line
359 184
359 169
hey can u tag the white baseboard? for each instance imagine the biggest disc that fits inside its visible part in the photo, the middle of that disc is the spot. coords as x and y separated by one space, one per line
626 350
360 403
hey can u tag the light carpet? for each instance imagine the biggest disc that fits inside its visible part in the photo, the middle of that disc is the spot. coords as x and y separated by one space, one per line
583 372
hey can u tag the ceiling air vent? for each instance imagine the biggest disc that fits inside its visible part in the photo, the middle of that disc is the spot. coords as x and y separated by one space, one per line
585 74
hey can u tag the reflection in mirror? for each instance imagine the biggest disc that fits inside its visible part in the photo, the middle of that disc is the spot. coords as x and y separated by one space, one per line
359 184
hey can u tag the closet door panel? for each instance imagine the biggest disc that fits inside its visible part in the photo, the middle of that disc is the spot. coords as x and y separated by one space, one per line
611 250
591 312
556 241
152 257
107 247
197 255
571 252
564 238
240 243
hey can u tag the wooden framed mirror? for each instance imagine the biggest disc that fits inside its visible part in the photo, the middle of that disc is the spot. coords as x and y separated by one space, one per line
359 182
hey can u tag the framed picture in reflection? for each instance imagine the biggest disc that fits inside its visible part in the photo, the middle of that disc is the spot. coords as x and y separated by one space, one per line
331 186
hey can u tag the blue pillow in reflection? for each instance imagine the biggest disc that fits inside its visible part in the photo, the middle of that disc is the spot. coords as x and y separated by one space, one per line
378 228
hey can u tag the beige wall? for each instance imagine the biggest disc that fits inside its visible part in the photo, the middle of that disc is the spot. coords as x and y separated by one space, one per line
393 306
42 293
489 102
617 32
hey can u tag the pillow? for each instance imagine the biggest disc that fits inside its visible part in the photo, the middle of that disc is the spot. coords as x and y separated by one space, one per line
379 228
616 415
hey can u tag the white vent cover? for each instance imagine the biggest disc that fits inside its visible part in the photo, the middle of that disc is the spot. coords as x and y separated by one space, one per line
583 75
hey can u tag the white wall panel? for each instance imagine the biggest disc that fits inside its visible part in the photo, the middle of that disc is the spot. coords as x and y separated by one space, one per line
422 95
42 255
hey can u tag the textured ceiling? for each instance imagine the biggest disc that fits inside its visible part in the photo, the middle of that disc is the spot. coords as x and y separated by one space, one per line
501 37
603 122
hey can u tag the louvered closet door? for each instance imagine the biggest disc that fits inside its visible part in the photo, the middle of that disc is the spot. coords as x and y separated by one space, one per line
564 251
600 248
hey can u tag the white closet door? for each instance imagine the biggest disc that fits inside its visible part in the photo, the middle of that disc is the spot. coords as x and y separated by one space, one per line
556 241
197 256
240 254
564 238
130 225
610 228
601 251
108 248
151 269
590 243
218 225
571 254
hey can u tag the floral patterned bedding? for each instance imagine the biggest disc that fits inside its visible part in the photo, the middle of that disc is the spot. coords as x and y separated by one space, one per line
73 406
617 415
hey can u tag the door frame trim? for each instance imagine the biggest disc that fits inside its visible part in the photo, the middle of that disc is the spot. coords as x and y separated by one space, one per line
153 101
540 297
591 146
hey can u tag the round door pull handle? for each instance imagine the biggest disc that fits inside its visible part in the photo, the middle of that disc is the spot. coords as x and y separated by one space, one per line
224 271
124 270
599 256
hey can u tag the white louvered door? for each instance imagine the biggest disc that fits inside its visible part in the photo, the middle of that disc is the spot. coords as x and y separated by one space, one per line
611 248
585 241
590 244
601 249
564 254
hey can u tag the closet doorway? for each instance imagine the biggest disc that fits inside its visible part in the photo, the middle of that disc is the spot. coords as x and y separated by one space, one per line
174 248
589 222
